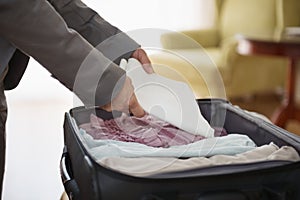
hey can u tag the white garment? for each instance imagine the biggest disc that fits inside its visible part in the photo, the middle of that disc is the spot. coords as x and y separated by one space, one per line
169 100
145 166
227 145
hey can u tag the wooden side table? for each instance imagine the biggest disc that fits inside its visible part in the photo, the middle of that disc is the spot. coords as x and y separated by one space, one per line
286 48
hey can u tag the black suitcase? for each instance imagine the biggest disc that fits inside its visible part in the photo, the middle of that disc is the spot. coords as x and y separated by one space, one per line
85 179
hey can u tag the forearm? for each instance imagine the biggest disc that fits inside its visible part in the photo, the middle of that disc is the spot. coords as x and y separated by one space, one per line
108 39
34 27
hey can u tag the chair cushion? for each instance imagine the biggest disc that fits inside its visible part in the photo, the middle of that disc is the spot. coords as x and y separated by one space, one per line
197 67
250 17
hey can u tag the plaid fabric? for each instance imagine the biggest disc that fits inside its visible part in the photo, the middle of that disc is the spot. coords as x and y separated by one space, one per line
147 130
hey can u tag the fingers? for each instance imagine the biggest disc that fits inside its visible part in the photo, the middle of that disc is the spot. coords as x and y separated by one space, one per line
126 101
135 108
141 56
121 101
148 68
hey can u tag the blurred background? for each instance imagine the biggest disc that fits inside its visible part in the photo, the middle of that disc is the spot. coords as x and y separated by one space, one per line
36 107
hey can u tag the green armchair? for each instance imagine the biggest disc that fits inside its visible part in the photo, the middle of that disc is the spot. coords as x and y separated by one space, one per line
239 75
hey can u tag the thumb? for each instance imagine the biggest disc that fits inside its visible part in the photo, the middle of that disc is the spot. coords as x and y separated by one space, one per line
135 108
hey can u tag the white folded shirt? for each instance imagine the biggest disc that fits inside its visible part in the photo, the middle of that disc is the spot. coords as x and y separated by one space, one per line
168 100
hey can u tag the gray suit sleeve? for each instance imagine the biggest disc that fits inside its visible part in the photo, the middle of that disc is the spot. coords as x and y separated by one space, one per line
112 42
38 30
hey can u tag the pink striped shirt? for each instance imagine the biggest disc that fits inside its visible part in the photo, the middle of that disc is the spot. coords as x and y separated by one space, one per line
147 130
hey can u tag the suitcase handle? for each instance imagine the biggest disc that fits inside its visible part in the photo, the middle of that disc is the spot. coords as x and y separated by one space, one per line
69 182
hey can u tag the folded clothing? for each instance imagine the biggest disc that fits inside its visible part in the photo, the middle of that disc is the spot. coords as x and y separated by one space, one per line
128 136
148 130
230 144
144 166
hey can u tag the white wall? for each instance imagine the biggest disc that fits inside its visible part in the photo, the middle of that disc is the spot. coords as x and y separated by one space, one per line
167 14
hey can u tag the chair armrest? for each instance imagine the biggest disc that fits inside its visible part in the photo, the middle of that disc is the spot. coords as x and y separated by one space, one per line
186 39
229 51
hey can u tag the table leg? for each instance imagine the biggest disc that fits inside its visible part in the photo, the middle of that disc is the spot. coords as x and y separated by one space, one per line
282 115
288 108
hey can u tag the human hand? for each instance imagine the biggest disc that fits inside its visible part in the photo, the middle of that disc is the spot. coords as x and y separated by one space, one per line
126 101
142 57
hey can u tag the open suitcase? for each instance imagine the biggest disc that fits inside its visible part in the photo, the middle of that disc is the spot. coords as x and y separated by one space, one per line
85 179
